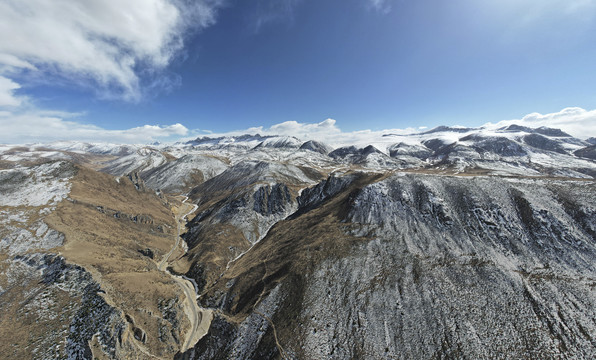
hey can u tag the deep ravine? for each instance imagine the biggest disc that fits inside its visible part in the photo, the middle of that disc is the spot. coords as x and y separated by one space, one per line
200 319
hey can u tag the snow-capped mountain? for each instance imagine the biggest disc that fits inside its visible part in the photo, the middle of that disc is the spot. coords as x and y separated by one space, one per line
449 243
241 142
280 142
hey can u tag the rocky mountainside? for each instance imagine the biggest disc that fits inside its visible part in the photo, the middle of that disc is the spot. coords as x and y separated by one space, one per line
451 243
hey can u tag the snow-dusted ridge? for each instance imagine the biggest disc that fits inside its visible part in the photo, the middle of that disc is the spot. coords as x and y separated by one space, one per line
519 149
45 184
470 241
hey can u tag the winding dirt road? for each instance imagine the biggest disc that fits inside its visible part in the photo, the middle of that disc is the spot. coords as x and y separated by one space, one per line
200 319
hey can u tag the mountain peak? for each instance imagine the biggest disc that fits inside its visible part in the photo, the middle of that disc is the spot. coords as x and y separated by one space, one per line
543 130
280 142
316 146
442 128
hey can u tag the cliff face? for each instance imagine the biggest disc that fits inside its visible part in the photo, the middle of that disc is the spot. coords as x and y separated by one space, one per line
416 266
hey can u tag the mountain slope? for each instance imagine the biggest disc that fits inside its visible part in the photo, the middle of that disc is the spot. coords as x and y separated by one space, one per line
468 267
450 243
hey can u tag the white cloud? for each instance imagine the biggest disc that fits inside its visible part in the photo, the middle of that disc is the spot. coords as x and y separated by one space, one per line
326 131
97 42
45 126
118 48
7 88
34 127
272 11
323 129
382 6
574 121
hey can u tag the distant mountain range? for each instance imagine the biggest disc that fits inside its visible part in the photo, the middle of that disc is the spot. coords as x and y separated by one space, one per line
449 243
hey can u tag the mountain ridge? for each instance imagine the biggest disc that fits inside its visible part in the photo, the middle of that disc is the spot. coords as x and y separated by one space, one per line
471 242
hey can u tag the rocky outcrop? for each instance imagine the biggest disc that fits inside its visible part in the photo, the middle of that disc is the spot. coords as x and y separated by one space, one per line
313 197
587 152
142 219
137 181
353 151
543 143
147 252
85 317
269 200
435 144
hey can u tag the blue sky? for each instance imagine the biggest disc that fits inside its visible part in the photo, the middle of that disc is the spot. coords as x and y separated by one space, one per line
226 66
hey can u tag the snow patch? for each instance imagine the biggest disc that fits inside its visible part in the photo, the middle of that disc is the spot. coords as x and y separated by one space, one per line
36 186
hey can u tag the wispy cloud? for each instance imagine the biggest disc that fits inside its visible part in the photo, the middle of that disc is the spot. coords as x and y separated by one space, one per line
47 126
106 44
272 11
382 6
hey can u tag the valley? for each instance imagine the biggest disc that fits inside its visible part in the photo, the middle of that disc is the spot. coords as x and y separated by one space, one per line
449 243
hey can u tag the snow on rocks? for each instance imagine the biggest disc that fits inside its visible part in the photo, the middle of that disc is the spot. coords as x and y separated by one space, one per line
40 185
15 240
